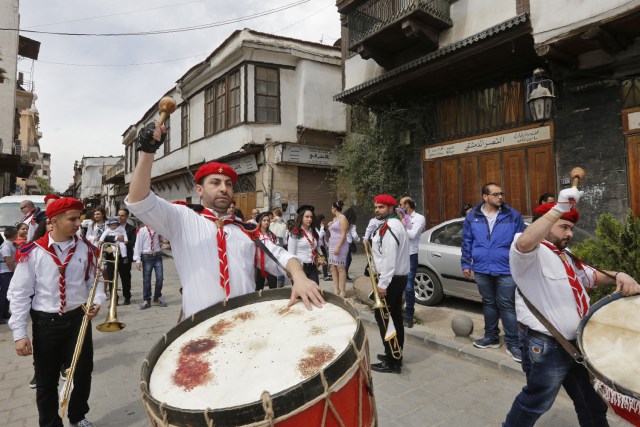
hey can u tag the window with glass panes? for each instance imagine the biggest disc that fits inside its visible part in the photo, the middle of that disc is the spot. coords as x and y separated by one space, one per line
209 110
184 123
221 105
267 95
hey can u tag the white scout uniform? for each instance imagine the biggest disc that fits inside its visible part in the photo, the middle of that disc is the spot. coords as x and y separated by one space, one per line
390 256
303 247
371 227
195 252
542 278
36 276
147 243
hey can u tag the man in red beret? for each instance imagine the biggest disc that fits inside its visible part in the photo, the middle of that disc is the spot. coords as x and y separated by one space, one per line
555 282
390 251
213 251
52 281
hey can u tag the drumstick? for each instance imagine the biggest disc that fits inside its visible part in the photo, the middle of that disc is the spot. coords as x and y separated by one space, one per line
577 174
167 106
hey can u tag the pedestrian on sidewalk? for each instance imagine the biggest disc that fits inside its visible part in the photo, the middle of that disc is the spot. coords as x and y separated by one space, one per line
51 283
279 227
390 252
7 267
487 234
352 238
303 242
147 254
338 248
418 222
202 242
321 229
265 235
554 282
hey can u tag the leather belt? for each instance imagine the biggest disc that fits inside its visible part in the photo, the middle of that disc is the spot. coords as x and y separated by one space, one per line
533 333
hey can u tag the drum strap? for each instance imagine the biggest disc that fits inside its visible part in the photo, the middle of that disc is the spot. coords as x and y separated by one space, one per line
270 254
570 348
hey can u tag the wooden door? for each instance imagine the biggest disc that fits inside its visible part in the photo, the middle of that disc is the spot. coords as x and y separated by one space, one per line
469 182
542 174
633 154
450 189
515 180
246 202
489 170
432 196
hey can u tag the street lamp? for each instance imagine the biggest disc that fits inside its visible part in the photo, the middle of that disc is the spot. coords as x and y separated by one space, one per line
541 95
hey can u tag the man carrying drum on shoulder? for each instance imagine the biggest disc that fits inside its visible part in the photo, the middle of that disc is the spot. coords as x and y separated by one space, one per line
213 251
554 282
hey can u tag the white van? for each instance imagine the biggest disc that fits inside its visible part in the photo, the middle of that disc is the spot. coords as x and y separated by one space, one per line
10 209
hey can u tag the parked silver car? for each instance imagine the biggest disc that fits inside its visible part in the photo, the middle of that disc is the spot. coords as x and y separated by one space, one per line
439 272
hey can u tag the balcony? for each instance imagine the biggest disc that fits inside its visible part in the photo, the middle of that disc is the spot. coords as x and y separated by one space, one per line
115 174
386 30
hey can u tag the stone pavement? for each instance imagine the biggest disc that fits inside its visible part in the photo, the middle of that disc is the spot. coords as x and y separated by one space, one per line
445 381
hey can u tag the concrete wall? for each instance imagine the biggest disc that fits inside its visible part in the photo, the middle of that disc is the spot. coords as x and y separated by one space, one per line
472 16
588 133
552 18
9 18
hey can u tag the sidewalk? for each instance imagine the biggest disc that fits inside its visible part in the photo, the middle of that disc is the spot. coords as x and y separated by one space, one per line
433 324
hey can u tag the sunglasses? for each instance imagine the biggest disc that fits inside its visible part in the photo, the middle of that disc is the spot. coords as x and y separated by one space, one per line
496 194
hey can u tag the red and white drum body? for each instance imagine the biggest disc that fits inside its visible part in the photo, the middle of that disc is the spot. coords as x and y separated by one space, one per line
609 339
257 362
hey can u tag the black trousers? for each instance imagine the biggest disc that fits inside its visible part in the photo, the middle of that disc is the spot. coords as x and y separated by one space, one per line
54 340
395 290
124 273
311 271
271 280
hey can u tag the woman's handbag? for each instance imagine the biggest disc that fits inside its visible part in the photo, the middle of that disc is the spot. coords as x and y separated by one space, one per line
353 248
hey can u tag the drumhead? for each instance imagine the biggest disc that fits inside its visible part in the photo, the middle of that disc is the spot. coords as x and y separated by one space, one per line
609 339
225 357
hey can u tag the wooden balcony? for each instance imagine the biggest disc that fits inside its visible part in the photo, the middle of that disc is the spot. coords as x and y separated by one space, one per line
386 30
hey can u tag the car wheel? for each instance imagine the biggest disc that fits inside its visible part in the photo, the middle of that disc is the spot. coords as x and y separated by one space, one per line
427 287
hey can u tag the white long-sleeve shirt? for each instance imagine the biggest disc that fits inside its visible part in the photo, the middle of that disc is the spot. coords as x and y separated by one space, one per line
352 234
37 276
303 247
371 227
390 257
418 222
195 252
147 242
94 231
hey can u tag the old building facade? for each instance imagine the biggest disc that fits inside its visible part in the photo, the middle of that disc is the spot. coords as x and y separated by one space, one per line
464 69
262 103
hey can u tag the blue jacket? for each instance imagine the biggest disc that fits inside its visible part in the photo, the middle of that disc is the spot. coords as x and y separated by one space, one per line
485 252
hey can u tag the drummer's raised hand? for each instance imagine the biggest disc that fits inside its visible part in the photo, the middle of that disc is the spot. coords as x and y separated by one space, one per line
626 284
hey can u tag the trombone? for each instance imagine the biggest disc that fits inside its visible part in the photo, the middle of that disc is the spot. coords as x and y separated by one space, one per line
381 304
111 324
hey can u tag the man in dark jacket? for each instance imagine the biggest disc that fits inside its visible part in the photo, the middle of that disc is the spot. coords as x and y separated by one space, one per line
124 265
487 235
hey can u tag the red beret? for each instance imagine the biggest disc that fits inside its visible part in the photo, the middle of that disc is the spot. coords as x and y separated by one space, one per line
50 196
179 202
573 215
385 199
64 204
218 168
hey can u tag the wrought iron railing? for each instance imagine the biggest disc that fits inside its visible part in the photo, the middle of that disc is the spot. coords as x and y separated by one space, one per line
376 14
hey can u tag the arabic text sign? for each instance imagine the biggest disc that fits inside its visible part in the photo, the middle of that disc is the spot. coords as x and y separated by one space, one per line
309 155
634 120
526 136
245 164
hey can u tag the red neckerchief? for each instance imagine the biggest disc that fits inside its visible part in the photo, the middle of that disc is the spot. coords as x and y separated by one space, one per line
30 214
580 295
270 236
151 236
222 247
384 226
43 242
311 241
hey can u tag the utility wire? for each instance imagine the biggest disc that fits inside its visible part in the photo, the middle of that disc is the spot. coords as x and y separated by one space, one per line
174 30
125 65
114 14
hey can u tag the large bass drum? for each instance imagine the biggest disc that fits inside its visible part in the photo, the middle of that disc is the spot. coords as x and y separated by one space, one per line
609 339
254 361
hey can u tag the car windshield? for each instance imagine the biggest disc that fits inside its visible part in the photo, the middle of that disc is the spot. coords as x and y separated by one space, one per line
10 213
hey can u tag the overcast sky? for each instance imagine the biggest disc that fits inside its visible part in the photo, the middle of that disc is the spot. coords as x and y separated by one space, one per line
88 91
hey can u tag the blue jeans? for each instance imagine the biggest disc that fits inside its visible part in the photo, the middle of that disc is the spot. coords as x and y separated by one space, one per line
498 302
151 263
547 367
409 292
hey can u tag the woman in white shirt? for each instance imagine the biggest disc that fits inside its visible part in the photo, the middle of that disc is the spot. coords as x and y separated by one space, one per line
97 227
323 241
264 234
304 242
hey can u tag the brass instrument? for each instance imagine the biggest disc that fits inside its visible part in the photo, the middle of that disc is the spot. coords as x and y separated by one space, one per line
381 304
111 324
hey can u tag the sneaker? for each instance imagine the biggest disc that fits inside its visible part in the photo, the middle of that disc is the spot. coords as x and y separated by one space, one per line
32 383
160 302
486 342
145 305
83 423
515 353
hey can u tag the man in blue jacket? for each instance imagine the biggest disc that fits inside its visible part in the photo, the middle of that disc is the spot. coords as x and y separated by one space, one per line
487 235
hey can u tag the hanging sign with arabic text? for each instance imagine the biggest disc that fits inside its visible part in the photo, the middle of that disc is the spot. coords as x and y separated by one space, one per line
525 136
304 154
